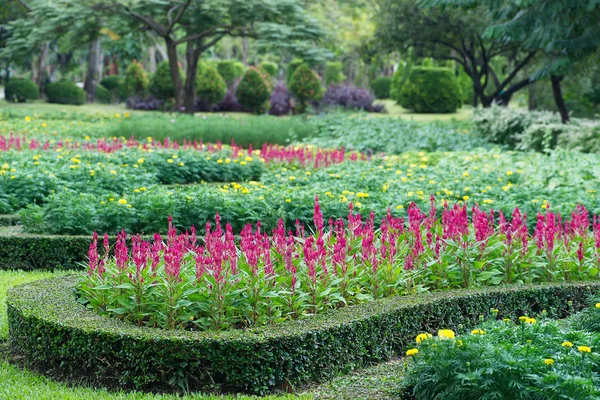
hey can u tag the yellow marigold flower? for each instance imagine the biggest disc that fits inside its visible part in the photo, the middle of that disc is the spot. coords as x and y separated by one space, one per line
44 125
245 191
465 198
361 194
113 172
28 119
141 160
412 352
111 199
288 200
465 174
102 203
291 178
548 361
227 160
219 161
143 189
446 334
126 115
400 207
92 173
530 321
567 344
509 172
181 164
584 349
477 332
422 336
597 305
170 161
122 201
117 115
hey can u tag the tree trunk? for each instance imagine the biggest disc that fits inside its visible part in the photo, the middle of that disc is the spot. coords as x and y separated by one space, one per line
559 99
532 97
39 66
194 49
93 75
245 50
152 59
175 76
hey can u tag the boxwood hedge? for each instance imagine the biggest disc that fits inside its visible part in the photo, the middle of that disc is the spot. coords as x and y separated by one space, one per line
51 331
35 252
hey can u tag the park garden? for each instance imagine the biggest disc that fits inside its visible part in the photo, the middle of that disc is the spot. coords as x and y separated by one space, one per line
299 200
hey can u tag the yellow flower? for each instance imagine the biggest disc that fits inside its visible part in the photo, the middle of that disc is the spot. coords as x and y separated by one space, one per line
219 161
509 172
477 332
465 174
117 115
422 336
141 161
181 164
506 319
288 200
446 334
412 352
548 361
143 189
122 201
170 161
245 191
567 344
291 178
227 161
92 173
28 119
126 115
361 194
584 349
465 198
44 125
400 207
530 321
597 305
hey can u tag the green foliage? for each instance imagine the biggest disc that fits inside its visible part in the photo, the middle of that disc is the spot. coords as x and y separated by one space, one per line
381 87
431 90
288 353
466 87
305 85
333 73
21 90
210 86
230 70
254 91
136 81
589 318
399 79
161 84
65 92
103 95
39 252
536 358
116 86
295 63
270 68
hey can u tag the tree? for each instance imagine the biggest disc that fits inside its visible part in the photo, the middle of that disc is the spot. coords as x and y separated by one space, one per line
494 64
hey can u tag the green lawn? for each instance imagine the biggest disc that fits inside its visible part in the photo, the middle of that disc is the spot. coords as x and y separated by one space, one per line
394 110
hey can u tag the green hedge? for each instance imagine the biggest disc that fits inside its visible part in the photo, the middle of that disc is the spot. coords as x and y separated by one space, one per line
9 220
21 90
431 90
36 252
65 92
51 331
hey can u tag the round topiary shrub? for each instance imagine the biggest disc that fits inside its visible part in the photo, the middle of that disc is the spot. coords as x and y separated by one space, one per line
115 84
161 85
136 81
431 90
65 92
333 73
398 80
381 87
103 95
305 85
230 71
21 90
295 63
270 68
254 91
210 85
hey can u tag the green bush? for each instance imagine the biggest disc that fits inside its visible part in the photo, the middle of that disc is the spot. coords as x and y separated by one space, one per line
21 90
333 73
254 91
381 87
136 81
230 70
65 92
103 95
295 63
431 90
305 85
161 83
115 84
81 344
33 252
210 86
270 68
466 86
398 79
589 318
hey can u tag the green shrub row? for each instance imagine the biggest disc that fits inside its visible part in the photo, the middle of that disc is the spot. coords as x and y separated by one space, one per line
51 331
21 90
9 220
37 252
65 92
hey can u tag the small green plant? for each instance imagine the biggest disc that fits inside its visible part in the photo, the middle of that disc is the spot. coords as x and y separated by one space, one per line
270 68
230 70
136 81
589 318
305 85
431 90
65 92
333 73
21 90
254 91
381 87
161 84
210 86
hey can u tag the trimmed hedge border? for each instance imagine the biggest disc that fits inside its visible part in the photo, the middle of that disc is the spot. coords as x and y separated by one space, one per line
9 220
37 252
54 333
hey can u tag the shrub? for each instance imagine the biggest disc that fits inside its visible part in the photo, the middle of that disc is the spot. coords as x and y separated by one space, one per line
281 100
466 86
65 92
295 63
254 91
305 85
270 68
589 318
103 95
116 86
350 97
230 70
333 73
21 90
34 252
145 102
210 86
136 81
381 87
80 344
229 103
398 79
161 85
431 90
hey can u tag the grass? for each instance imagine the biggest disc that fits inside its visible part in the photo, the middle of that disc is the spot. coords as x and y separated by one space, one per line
394 110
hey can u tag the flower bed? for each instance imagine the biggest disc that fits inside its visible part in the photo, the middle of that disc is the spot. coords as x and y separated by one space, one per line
80 344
